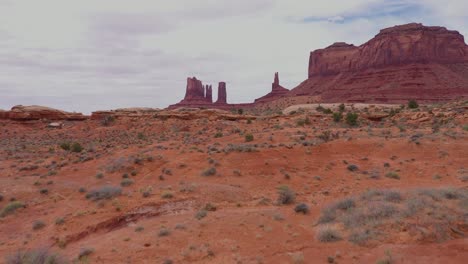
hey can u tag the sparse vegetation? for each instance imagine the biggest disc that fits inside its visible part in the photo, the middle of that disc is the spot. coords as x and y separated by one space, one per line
249 137
36 256
11 208
106 192
412 104
328 234
351 119
286 195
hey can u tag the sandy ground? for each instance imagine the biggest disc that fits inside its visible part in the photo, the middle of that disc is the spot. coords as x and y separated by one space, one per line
167 158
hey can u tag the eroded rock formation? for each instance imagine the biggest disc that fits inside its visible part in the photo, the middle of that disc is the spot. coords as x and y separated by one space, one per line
277 91
400 63
34 112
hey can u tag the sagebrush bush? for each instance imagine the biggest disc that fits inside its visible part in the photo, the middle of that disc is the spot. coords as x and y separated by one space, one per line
11 208
286 195
328 235
105 192
36 256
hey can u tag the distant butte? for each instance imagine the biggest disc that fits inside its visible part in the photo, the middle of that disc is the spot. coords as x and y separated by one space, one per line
404 62
412 61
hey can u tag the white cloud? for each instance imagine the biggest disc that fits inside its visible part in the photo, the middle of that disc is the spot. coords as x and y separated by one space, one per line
87 55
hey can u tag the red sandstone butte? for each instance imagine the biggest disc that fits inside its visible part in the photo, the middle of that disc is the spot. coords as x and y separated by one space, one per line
277 91
400 63
222 93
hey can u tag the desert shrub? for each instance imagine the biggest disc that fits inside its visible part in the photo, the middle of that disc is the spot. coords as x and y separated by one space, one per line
361 237
105 192
351 119
240 111
85 252
107 120
60 221
76 147
352 167
286 195
327 235
345 204
209 172
164 232
302 208
341 107
249 138
392 175
99 175
201 214
38 224
392 196
337 116
126 182
218 135
167 195
412 104
11 208
65 146
36 256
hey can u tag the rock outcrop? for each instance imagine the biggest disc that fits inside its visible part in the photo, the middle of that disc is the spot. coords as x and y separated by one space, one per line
277 91
4 114
400 63
34 112
196 94
222 93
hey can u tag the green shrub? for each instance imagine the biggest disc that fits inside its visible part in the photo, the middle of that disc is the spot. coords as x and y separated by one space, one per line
105 192
286 195
351 119
412 104
126 182
37 256
337 116
341 107
76 147
209 172
218 135
38 224
302 208
392 175
249 138
65 146
328 235
11 208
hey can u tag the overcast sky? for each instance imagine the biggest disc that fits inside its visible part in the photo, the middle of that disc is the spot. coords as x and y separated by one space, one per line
104 54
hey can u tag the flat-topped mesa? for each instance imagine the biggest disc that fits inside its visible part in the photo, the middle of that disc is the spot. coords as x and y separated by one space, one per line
399 45
222 94
35 112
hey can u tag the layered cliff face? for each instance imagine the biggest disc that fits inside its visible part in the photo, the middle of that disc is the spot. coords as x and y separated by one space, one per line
403 62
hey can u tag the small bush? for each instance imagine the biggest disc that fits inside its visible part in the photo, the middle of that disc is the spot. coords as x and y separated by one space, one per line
302 208
412 104
167 195
392 175
201 214
341 107
337 117
11 208
76 147
249 138
286 195
351 119
106 192
60 221
328 235
37 256
65 146
345 204
126 182
38 224
209 172
218 135
85 252
164 232
352 167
